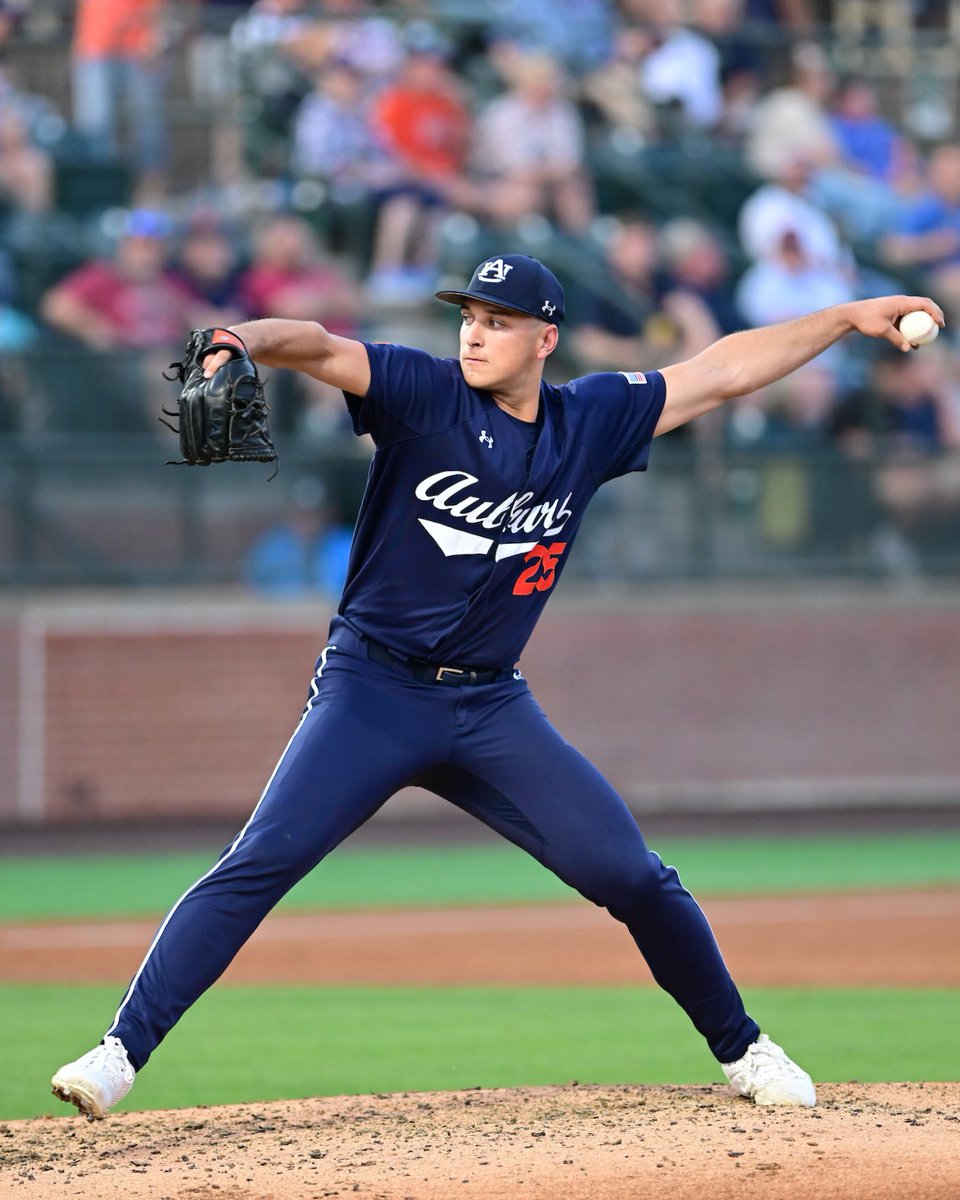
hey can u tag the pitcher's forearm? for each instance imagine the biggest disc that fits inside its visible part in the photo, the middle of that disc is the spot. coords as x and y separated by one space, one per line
302 346
278 342
747 361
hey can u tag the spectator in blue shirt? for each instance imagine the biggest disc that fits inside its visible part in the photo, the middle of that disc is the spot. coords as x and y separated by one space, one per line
927 240
306 553
868 143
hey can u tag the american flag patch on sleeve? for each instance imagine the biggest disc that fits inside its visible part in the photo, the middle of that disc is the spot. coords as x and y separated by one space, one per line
633 376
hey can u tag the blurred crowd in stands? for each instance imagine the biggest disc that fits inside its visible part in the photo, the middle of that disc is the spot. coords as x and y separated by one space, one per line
688 167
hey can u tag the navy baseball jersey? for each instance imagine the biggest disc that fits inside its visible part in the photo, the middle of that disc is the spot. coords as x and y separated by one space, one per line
469 513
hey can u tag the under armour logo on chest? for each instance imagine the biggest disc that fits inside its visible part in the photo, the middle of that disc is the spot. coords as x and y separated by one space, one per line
486 439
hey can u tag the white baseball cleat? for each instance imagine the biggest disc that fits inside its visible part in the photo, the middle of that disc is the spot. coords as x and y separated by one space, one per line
765 1074
96 1081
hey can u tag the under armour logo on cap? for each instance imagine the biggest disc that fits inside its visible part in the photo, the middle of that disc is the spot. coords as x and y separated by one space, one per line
495 270
517 282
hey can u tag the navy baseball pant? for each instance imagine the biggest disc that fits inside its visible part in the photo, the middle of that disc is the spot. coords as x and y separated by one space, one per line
367 731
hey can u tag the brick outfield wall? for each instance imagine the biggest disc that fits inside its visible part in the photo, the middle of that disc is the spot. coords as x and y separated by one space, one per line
181 710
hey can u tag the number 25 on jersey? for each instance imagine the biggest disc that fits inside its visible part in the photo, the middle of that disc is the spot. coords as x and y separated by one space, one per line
541 571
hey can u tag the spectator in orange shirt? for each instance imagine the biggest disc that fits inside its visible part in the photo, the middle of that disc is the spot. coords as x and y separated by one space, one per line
423 117
423 122
118 68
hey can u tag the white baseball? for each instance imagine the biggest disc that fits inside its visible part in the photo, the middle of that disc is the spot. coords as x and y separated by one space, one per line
918 327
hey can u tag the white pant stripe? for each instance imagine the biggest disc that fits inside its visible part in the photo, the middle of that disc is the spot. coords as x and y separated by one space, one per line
314 692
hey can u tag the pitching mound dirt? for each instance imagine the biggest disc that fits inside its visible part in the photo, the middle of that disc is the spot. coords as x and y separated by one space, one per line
862 1142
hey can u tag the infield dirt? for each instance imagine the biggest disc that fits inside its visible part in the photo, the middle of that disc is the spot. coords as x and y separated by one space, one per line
847 939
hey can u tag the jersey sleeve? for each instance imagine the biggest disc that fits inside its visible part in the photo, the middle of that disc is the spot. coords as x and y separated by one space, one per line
410 393
620 412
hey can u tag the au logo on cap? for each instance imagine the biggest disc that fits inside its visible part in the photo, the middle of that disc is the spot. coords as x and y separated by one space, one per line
494 270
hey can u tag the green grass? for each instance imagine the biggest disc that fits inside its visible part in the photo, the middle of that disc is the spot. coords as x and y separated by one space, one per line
257 1043
260 1043
147 884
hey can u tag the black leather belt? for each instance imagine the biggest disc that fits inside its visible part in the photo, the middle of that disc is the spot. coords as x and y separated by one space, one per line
428 672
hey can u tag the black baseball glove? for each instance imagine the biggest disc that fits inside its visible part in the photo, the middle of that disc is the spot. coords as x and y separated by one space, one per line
223 418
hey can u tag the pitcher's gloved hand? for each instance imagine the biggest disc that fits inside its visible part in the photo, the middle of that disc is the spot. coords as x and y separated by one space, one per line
223 418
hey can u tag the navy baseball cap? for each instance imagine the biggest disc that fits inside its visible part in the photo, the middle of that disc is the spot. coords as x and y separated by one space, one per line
514 281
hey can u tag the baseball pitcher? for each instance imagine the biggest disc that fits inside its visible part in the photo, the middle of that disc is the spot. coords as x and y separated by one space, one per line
480 480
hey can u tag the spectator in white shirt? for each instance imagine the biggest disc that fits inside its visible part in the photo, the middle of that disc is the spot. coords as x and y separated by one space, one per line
529 150
782 205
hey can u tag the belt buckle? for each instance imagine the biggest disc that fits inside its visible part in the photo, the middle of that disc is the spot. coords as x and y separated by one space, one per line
441 671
